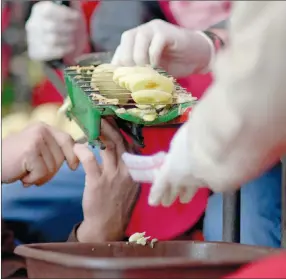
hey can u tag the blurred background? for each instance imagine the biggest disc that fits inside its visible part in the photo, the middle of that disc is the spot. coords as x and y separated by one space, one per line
27 95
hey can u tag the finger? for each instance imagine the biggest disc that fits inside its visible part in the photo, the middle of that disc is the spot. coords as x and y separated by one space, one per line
54 149
36 170
141 49
116 57
50 10
88 161
113 136
64 29
66 144
156 49
48 158
186 194
169 196
159 187
51 40
109 159
126 48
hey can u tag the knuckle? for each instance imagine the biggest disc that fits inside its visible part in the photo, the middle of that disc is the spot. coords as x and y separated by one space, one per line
66 139
89 159
29 25
125 35
46 6
40 127
41 8
157 22
140 59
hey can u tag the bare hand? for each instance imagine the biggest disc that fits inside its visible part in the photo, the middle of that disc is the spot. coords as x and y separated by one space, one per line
35 154
110 193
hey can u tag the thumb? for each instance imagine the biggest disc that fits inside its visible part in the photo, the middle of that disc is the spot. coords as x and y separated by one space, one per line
160 186
87 160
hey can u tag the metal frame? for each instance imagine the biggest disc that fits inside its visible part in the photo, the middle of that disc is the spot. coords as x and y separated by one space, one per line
231 216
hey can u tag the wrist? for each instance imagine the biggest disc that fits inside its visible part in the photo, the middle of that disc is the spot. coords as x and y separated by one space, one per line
215 44
89 232
205 68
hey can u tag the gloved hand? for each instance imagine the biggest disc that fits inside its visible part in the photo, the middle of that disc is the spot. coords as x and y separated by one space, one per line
177 50
175 179
56 31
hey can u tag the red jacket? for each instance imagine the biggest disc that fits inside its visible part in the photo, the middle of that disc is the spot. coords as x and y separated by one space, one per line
159 222
271 267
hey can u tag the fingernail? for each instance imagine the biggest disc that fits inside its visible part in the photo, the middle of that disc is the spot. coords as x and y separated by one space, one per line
74 166
152 201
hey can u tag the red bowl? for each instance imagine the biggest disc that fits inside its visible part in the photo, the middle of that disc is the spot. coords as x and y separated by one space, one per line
174 259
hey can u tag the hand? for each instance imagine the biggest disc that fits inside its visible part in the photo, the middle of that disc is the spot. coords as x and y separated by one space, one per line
177 50
35 154
109 194
56 31
175 178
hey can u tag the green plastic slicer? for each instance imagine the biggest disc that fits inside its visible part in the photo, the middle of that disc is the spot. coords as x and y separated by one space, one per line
87 109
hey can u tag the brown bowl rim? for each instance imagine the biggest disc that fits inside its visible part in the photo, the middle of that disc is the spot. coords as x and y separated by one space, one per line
30 251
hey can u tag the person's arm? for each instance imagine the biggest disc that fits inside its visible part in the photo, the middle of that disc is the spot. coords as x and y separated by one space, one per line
73 235
238 130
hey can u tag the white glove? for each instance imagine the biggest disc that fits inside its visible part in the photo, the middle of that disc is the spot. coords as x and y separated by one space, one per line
175 179
56 31
179 51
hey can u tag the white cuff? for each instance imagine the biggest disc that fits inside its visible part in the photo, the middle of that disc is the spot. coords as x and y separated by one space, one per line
212 55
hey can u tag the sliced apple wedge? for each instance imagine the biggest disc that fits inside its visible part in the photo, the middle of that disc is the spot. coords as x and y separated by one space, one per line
124 71
143 81
152 97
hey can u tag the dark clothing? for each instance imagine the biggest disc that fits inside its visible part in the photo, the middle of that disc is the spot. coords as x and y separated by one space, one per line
112 18
13 266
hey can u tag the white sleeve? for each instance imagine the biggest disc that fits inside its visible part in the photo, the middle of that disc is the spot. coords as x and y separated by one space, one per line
238 129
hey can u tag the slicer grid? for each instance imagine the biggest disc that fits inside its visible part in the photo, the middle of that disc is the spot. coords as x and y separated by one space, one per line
83 77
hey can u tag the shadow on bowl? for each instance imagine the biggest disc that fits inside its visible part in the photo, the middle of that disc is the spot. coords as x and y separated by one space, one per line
172 259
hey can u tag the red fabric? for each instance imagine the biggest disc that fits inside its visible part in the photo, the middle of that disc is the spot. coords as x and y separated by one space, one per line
88 9
5 19
271 267
5 49
45 92
159 222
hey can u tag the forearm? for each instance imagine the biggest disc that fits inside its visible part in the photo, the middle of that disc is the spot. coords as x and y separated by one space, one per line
238 129
84 234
